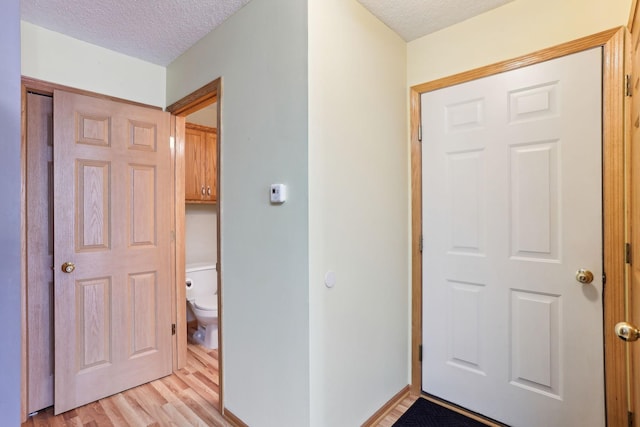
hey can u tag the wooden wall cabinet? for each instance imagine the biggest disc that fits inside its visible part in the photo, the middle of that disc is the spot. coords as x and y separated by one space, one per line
200 164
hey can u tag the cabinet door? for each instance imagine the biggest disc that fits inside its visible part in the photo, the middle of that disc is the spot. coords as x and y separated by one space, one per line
210 166
194 180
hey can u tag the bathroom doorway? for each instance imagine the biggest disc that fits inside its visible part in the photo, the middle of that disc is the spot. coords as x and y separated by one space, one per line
197 203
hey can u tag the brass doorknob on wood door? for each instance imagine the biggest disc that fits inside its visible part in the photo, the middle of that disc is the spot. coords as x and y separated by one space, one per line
627 331
68 267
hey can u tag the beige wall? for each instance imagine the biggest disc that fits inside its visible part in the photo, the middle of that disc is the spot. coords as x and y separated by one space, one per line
518 28
10 413
200 233
261 55
358 213
57 58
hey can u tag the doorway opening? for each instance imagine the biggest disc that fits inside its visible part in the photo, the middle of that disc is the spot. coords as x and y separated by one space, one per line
198 225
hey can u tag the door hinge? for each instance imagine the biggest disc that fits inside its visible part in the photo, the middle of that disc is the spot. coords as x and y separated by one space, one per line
630 419
627 85
173 329
420 133
421 244
627 253
420 353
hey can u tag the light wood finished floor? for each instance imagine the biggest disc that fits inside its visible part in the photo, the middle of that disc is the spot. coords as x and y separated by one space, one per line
397 411
187 398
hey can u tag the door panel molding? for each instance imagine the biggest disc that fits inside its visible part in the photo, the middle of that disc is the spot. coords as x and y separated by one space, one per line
614 205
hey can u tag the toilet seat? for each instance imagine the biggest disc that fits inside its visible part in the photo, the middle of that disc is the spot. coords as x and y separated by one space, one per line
207 302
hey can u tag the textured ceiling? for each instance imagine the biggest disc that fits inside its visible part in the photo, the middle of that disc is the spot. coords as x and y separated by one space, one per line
159 31
415 18
156 31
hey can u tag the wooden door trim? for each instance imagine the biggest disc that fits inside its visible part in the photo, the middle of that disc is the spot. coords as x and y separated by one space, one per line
196 100
614 203
178 311
632 15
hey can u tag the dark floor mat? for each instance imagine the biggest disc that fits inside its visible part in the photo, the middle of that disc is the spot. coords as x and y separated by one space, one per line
424 413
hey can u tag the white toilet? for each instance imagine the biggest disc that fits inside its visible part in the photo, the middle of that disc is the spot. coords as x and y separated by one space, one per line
202 301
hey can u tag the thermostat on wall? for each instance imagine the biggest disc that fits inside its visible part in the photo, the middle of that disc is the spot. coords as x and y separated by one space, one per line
278 193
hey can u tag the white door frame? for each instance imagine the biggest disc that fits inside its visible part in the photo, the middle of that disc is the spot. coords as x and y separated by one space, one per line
615 172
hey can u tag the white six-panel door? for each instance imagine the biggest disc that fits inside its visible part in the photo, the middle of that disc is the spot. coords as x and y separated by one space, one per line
512 208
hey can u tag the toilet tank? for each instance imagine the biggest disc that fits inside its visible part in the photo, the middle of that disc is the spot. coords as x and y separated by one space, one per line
201 279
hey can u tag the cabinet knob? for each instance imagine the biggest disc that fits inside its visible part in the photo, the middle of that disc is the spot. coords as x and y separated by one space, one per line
208 190
202 190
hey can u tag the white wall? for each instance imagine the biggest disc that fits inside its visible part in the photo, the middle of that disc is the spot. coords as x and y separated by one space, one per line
515 29
10 385
57 58
200 233
358 213
261 55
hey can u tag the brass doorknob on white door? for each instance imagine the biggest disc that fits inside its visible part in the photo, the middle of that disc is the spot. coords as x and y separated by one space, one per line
627 331
584 276
68 267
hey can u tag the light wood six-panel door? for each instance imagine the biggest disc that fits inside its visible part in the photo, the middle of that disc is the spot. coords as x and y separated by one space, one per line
112 209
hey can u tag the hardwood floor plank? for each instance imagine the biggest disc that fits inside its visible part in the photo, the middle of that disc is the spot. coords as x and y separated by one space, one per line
114 414
201 407
167 393
196 385
177 418
186 412
211 384
133 414
175 384
94 412
151 405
